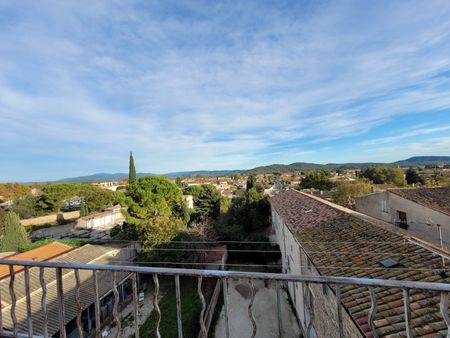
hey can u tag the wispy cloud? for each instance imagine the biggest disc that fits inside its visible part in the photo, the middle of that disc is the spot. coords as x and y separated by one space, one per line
408 134
190 85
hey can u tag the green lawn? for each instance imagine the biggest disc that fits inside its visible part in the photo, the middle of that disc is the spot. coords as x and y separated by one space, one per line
190 309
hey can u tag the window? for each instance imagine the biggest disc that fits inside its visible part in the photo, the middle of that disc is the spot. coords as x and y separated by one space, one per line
384 205
402 219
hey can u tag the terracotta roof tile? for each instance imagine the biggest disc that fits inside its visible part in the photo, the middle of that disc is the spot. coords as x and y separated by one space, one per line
340 244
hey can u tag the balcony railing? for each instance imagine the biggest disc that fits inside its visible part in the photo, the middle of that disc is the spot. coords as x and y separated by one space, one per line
222 276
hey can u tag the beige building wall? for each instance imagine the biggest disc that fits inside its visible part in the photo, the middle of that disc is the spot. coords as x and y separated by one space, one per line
418 216
323 309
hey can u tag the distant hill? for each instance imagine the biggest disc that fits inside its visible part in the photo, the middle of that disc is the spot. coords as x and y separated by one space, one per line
304 166
280 168
423 160
99 177
203 173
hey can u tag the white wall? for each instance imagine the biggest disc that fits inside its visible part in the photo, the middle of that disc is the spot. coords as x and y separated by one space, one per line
295 261
418 216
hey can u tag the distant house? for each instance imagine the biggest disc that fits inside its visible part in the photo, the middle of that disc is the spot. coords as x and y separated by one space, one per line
189 200
101 220
422 212
109 185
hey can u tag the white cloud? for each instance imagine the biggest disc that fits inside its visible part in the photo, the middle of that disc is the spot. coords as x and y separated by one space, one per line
212 85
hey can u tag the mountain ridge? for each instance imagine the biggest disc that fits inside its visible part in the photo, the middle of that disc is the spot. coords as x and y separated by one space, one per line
296 166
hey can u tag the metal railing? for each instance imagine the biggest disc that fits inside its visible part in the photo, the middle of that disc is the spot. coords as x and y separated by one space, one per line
223 276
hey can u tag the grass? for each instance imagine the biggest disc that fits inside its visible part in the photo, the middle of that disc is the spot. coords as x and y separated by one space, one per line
190 310
75 243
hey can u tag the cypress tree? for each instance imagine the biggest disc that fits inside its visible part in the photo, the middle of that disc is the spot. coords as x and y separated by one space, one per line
132 170
84 210
14 234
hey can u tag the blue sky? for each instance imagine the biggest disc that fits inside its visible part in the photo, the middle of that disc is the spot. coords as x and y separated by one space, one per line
219 85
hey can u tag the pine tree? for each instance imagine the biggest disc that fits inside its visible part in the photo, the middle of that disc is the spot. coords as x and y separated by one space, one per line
132 170
14 234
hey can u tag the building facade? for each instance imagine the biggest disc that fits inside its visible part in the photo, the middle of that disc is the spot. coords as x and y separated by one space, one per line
422 212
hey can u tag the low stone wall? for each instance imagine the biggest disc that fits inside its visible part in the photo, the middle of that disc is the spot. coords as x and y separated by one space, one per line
51 218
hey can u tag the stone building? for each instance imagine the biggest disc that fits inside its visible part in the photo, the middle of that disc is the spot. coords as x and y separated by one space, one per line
317 237
422 212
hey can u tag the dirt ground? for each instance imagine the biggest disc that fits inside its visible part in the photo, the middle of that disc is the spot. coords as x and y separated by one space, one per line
264 311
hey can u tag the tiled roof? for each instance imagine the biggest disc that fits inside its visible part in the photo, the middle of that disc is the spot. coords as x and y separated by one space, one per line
214 254
435 198
340 244
43 253
89 254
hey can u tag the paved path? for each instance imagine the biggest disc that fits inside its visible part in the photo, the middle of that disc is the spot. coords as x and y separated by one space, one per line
264 311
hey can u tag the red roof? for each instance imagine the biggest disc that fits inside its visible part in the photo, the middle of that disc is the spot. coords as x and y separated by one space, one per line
43 253
215 254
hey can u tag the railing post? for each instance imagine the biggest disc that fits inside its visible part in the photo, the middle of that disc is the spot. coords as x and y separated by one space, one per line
155 304
1 314
116 312
225 306
61 312
339 311
97 304
28 301
78 301
12 293
44 302
372 311
135 304
177 293
407 312
202 313
280 323
250 307
443 305
310 311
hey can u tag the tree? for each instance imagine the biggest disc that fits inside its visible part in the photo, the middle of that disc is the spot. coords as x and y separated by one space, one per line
251 182
381 174
346 191
206 201
9 191
317 180
178 182
14 235
27 207
84 211
413 177
55 195
156 211
396 176
132 170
